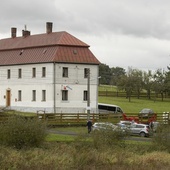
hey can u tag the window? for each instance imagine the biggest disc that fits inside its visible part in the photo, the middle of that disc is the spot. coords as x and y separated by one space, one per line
34 95
43 71
119 110
86 72
8 74
33 72
65 71
64 95
85 95
43 95
19 95
19 73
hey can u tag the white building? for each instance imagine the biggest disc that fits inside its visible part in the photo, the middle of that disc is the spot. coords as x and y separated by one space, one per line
47 72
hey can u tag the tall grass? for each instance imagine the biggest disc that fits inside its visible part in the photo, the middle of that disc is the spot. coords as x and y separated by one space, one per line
98 150
83 154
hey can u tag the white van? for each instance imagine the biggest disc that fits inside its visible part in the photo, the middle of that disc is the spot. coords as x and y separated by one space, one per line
108 108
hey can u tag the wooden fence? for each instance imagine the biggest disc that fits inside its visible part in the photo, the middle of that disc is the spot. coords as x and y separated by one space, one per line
108 93
81 118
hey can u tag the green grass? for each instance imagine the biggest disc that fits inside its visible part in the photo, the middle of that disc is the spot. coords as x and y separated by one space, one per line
29 114
52 136
59 138
76 129
135 105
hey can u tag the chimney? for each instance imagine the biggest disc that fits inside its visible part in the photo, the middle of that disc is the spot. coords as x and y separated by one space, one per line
49 26
13 32
25 33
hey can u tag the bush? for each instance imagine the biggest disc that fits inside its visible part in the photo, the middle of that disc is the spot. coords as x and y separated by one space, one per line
19 132
108 138
162 137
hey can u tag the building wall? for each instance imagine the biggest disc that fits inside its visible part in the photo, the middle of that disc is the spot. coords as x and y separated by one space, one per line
75 82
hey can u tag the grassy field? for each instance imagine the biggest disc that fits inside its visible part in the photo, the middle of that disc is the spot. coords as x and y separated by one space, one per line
137 104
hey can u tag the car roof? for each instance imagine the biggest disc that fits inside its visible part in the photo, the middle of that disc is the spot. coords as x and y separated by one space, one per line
146 110
105 104
140 124
103 123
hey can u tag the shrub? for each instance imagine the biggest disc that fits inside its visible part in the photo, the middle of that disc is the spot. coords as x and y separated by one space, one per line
20 132
108 138
162 137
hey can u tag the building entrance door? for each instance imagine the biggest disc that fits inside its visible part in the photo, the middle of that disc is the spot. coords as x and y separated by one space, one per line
8 98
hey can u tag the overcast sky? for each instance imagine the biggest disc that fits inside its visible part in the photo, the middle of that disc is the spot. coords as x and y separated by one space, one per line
121 33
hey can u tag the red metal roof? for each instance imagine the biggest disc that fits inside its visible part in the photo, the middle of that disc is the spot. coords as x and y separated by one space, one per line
53 47
57 38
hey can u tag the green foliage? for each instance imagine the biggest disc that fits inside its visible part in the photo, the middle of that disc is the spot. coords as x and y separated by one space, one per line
162 137
135 80
105 73
110 75
108 138
19 132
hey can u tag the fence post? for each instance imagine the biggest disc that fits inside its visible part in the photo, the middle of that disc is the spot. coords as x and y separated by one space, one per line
77 117
93 117
168 117
165 117
61 117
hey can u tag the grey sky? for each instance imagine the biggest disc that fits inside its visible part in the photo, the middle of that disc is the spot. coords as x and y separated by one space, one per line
123 33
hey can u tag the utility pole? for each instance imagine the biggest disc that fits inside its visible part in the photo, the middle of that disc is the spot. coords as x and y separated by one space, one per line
88 94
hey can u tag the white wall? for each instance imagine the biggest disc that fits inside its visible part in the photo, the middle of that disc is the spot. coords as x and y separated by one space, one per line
26 84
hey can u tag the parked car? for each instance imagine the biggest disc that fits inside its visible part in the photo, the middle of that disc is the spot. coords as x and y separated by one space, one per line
126 125
146 112
142 130
103 126
134 128
126 122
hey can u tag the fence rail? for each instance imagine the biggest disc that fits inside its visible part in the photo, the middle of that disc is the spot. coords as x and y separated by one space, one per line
123 94
81 118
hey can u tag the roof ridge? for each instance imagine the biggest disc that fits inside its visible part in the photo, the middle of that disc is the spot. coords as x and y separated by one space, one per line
39 40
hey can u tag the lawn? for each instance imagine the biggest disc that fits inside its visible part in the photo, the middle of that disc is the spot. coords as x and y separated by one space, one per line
135 105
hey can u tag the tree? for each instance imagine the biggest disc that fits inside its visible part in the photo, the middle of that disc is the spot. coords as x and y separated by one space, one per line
105 73
148 82
126 82
159 82
138 81
167 81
